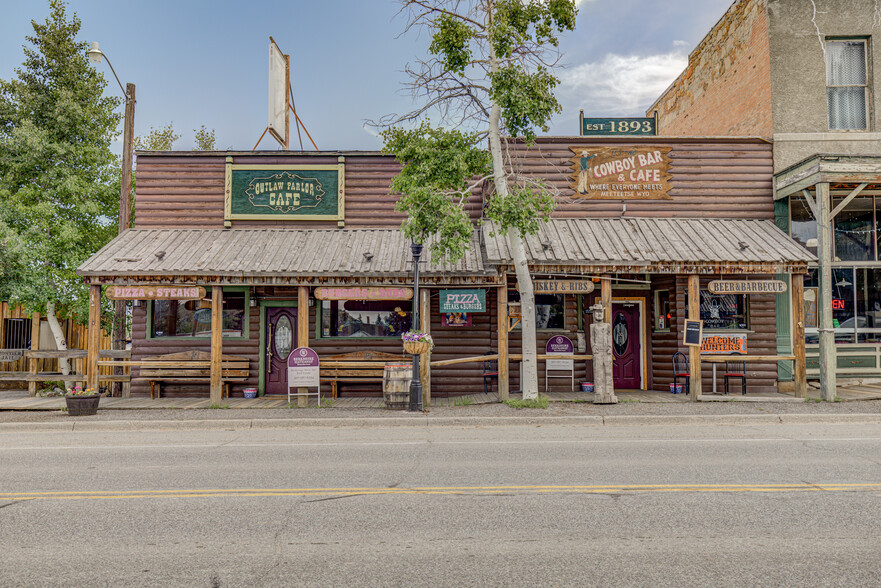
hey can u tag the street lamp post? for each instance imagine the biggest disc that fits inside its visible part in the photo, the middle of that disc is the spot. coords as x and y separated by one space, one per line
125 189
415 383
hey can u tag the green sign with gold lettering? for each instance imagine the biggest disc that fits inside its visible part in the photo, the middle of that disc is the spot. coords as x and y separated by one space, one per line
278 192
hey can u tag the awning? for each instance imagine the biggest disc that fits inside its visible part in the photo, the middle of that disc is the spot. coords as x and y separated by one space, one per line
655 245
274 256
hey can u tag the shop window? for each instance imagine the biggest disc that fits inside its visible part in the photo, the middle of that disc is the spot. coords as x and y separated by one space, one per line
803 225
847 84
723 311
550 310
662 310
845 293
365 318
17 333
192 318
868 305
854 230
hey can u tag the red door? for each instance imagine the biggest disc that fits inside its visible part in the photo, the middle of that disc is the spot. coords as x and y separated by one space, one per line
281 339
626 356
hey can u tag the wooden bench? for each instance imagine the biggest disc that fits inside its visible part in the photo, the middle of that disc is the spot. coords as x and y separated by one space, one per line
356 367
190 366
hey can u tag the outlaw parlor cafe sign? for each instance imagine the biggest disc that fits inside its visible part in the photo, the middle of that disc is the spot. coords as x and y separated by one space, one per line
627 172
284 192
747 287
155 292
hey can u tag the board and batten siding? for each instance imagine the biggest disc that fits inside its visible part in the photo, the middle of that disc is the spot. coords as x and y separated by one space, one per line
185 190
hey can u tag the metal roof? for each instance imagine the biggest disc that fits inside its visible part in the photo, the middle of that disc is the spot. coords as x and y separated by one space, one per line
256 253
652 241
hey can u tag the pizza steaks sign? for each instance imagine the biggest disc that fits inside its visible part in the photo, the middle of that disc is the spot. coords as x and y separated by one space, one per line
155 292
462 301
632 172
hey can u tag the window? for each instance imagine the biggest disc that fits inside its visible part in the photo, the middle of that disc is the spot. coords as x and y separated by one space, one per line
856 305
847 84
662 310
803 225
365 318
550 309
192 318
723 311
17 333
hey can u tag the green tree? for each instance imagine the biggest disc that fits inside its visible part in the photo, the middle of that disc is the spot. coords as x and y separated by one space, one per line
59 190
157 139
489 68
204 139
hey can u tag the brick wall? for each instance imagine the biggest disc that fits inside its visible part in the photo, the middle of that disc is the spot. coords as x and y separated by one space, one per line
726 88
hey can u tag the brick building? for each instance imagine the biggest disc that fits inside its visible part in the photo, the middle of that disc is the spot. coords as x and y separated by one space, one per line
800 73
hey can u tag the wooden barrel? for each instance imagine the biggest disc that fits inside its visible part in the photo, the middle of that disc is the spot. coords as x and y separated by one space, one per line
396 385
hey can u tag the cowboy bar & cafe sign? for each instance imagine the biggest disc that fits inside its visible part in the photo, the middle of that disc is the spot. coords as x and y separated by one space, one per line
155 292
747 287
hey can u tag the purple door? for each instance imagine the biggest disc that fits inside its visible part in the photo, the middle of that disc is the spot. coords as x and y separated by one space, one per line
281 339
626 368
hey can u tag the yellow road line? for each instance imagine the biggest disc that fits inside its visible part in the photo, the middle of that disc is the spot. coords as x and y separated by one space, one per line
438 490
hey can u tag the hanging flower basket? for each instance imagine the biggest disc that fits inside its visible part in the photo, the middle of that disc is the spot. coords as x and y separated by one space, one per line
417 342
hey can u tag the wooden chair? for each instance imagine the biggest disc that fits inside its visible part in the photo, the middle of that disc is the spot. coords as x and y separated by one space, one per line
490 371
736 369
680 369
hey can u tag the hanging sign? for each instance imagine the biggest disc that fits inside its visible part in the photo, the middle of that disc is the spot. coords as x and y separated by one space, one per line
303 368
627 172
363 293
618 126
562 286
724 345
463 300
747 287
11 354
284 192
692 333
155 292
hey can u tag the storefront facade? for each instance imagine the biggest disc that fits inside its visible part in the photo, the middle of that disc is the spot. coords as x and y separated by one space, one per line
304 249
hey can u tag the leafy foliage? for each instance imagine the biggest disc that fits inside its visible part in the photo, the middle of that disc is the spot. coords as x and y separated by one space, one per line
205 140
438 176
59 185
452 42
157 139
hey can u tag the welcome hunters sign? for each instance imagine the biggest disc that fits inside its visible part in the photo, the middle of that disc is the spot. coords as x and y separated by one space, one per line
627 172
294 192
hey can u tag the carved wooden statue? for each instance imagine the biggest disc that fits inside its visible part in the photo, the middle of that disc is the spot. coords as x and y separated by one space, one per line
601 347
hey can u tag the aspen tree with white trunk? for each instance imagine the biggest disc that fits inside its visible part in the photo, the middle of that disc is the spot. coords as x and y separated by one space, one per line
489 75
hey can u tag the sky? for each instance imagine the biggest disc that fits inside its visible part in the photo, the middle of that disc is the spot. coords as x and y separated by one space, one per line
204 62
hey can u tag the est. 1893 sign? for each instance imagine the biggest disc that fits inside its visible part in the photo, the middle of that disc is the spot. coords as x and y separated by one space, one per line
284 192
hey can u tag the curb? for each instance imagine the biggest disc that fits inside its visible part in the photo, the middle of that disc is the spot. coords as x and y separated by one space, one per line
425 421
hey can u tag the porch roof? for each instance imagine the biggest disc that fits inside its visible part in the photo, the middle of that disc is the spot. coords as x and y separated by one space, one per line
658 245
277 256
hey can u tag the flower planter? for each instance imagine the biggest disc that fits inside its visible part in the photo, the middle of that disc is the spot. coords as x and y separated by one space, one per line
82 405
416 347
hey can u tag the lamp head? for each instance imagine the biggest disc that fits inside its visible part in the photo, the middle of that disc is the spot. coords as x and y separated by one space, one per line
95 53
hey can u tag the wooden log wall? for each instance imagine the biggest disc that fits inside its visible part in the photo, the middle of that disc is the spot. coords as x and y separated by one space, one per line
185 189
711 178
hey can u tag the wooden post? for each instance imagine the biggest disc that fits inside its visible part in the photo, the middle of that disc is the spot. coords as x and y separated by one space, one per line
302 336
824 304
694 352
799 368
425 358
94 341
35 346
504 379
216 388
606 298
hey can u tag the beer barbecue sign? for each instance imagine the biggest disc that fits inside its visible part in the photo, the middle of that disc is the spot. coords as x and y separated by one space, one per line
289 192
628 172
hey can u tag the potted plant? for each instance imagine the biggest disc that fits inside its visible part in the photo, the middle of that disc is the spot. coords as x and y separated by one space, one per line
82 402
417 342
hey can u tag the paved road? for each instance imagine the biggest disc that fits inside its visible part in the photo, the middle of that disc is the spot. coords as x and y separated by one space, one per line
540 505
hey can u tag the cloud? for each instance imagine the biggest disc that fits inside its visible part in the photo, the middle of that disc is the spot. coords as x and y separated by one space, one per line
620 85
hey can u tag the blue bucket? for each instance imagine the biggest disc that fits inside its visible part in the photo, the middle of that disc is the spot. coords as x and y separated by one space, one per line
587 386
250 392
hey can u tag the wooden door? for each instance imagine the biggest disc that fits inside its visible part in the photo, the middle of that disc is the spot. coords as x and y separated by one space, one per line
626 352
281 339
